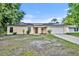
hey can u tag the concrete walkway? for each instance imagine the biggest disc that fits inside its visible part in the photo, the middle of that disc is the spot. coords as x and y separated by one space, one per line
68 38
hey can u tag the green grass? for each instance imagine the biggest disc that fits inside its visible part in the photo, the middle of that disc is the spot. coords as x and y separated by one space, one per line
74 34
29 53
64 42
49 36
12 49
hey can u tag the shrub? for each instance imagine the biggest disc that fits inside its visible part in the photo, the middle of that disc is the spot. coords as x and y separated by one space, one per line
28 32
23 31
29 53
49 31
14 33
43 33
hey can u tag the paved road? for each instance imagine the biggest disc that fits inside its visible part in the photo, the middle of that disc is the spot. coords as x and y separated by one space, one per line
68 38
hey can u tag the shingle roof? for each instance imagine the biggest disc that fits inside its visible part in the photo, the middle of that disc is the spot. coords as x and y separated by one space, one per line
24 24
54 24
38 24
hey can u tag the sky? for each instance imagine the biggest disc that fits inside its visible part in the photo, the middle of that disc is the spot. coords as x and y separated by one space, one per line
43 12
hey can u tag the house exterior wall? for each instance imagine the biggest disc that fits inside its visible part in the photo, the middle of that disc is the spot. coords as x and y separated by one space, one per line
20 29
55 29
32 30
66 29
17 29
72 29
40 30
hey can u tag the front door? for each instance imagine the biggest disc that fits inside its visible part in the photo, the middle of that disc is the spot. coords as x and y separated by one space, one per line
36 30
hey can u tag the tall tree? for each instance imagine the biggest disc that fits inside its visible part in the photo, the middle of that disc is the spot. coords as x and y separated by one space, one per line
10 14
74 12
54 20
68 20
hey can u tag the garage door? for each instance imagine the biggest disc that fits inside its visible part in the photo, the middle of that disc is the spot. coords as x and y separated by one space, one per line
57 30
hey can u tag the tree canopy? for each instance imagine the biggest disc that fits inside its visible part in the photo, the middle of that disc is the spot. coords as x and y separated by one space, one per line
68 20
54 20
73 14
10 13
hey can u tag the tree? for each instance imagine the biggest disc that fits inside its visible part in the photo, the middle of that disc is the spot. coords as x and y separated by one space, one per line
10 14
74 12
54 20
68 20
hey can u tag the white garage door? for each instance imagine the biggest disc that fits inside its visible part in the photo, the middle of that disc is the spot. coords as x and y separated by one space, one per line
57 30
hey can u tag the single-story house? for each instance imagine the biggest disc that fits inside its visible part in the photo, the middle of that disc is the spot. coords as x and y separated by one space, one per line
40 28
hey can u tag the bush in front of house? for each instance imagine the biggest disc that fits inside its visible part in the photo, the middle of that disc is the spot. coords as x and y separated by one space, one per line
23 31
28 32
49 31
14 33
2 32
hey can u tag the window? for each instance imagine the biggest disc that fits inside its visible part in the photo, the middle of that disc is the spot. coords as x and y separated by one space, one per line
75 29
11 29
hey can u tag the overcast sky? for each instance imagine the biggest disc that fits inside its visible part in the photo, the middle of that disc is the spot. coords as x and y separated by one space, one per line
43 12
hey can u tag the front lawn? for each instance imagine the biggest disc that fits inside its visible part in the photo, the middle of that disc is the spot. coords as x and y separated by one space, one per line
74 34
36 45
65 43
